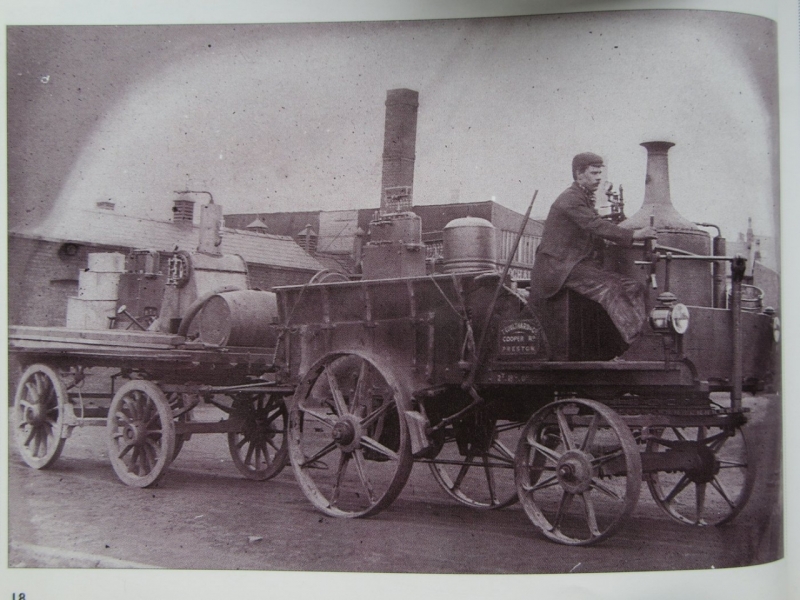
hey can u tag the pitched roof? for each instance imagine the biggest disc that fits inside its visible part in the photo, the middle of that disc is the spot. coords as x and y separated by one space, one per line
106 228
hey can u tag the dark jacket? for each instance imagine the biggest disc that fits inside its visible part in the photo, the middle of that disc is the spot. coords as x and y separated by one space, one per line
573 232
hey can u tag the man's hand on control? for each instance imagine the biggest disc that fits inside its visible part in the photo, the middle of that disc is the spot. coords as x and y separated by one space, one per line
644 233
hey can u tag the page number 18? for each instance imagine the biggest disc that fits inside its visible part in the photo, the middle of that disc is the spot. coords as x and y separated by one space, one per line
16 596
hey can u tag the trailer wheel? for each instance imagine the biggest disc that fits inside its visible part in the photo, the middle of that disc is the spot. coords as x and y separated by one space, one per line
480 473
577 448
260 450
716 489
140 433
348 443
39 411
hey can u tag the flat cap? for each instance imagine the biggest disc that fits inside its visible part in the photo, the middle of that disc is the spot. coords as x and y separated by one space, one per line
586 159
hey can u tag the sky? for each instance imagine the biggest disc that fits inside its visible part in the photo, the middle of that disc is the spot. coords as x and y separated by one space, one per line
290 117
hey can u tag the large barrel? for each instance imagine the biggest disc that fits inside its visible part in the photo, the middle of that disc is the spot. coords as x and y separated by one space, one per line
241 318
469 244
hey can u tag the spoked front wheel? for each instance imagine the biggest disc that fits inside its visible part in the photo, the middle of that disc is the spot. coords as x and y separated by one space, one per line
476 468
39 411
348 441
578 471
260 449
716 485
140 433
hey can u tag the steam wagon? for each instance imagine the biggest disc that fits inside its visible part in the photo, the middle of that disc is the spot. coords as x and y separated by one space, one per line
354 379
506 399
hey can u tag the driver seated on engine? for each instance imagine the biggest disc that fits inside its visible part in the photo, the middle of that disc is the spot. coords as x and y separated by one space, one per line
570 254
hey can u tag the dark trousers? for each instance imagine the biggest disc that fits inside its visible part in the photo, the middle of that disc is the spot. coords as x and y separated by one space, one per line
621 297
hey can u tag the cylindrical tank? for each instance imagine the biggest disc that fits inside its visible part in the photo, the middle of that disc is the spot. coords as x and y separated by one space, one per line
690 281
469 244
240 318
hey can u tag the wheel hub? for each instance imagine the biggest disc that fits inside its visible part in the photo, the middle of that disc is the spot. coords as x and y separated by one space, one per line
347 433
706 465
574 471
134 433
35 413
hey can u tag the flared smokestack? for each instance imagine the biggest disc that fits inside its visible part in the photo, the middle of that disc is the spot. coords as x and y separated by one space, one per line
399 145
657 200
690 281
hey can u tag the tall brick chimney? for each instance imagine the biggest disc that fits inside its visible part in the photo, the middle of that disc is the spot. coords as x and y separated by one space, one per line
399 144
395 247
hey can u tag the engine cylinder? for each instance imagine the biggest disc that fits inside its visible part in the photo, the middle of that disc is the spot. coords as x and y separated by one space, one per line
469 244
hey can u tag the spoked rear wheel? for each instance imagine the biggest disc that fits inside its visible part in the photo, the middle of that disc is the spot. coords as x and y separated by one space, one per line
39 408
718 485
260 450
479 471
140 433
578 471
348 441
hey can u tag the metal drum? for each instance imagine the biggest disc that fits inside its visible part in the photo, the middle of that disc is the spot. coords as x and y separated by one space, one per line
470 244
240 318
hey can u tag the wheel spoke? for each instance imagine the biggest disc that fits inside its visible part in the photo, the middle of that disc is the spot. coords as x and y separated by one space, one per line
700 497
125 449
31 391
323 418
563 507
679 487
729 464
590 433
271 417
344 458
540 485
591 517
551 454
358 393
377 414
30 436
336 392
505 453
489 481
327 449
600 487
361 468
152 421
721 491
249 455
600 460
563 427
43 443
378 447
678 434
462 472
133 465
266 458
37 444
